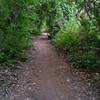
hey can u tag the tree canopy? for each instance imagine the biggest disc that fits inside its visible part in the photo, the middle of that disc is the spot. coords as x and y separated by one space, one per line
74 26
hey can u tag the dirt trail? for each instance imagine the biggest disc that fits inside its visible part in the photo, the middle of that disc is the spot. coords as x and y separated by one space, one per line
45 76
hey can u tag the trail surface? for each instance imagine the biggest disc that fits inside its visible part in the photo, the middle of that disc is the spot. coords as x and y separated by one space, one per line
45 76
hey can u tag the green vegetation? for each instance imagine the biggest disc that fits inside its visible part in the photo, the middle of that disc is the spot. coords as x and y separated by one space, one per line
74 26
80 36
17 23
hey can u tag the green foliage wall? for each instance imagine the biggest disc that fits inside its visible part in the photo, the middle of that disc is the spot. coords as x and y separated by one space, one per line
74 26
17 23
80 35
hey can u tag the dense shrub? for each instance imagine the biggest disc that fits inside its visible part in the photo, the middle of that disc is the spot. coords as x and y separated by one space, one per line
68 36
16 26
80 37
82 44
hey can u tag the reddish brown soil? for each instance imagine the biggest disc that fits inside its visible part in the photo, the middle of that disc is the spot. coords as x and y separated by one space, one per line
45 76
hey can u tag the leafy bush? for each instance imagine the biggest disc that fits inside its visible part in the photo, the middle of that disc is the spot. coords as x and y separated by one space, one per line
16 26
68 36
80 36
82 43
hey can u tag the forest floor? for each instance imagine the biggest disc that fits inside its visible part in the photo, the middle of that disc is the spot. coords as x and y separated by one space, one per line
46 76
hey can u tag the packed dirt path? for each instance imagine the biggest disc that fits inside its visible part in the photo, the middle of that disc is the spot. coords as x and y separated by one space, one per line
45 76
